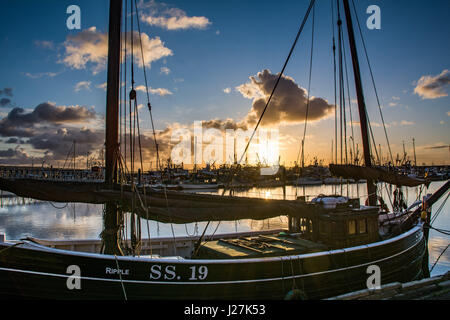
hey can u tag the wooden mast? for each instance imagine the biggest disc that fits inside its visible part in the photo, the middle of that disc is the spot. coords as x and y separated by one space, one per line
112 93
112 218
371 187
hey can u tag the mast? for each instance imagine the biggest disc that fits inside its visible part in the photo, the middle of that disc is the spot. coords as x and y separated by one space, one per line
112 217
112 94
371 187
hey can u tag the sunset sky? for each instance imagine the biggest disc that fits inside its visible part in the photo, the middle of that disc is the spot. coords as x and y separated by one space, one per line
217 61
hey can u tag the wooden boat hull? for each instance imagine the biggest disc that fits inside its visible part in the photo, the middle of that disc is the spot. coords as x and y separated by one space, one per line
34 271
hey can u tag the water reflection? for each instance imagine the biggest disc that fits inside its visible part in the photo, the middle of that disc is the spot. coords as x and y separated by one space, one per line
46 221
21 218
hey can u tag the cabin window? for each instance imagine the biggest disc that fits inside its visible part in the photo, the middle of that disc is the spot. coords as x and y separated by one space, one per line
351 227
362 226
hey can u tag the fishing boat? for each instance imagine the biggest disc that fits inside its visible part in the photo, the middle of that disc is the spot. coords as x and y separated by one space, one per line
327 249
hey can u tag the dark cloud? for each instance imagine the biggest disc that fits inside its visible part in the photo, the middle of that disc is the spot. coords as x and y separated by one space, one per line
49 112
14 156
15 141
59 142
51 130
288 105
4 102
224 124
6 92
19 123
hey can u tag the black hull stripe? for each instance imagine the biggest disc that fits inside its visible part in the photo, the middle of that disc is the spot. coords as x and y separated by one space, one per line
38 247
217 282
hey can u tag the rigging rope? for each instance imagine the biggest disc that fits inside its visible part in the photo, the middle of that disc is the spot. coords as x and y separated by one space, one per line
373 82
59 208
309 86
147 89
439 258
339 23
335 85
302 146
278 79
439 209
123 101
120 277
197 245
273 90
349 106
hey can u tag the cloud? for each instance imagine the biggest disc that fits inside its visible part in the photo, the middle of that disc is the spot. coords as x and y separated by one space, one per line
102 86
393 104
159 91
6 92
288 105
91 47
163 16
20 124
387 125
59 141
448 113
224 124
165 70
14 141
44 44
86 46
227 90
407 123
4 102
432 87
13 156
50 130
41 75
83 85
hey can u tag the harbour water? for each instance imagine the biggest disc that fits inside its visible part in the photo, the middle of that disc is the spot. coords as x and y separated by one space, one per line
21 218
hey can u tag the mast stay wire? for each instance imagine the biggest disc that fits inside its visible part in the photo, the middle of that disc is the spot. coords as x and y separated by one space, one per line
123 101
349 103
340 40
197 245
335 86
309 86
277 82
302 146
339 31
373 82
152 123
146 86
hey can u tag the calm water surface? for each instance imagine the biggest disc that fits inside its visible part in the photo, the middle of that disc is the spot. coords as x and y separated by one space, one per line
24 217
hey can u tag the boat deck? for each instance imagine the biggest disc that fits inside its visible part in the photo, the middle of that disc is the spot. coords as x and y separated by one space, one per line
164 247
258 246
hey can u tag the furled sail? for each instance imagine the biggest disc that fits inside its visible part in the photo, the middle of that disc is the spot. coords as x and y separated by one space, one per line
170 206
375 174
